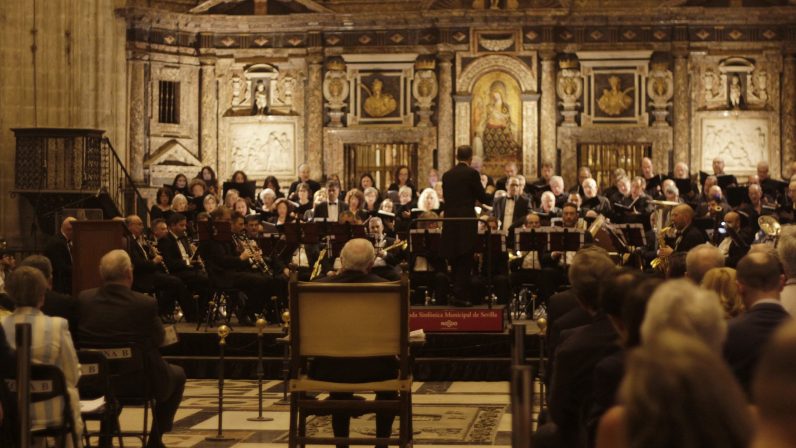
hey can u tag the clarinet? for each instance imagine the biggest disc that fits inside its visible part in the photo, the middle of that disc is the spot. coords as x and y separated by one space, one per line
152 248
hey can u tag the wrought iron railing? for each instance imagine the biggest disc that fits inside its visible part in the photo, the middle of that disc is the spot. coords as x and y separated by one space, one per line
117 183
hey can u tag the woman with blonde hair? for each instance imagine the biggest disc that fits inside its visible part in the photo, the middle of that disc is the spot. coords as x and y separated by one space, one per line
722 282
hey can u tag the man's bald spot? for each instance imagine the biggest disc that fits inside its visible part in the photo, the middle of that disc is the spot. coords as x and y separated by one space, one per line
685 210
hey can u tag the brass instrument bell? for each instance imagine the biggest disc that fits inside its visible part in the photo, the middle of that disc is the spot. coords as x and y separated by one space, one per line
769 225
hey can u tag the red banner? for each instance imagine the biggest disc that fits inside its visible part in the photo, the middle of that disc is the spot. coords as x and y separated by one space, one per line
438 319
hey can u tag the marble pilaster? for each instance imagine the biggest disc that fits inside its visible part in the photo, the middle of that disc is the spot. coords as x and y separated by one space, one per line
208 110
547 125
314 98
137 67
680 118
788 112
445 148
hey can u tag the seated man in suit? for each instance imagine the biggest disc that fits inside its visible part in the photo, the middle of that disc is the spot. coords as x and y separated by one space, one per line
357 259
331 208
760 281
55 303
114 313
386 263
688 236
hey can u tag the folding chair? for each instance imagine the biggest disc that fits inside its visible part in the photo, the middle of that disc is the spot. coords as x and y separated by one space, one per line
128 365
95 383
349 320
47 383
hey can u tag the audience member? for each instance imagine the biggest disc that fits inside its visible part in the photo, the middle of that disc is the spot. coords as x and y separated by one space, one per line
59 251
51 343
786 250
114 313
677 393
759 283
775 393
55 303
700 260
722 281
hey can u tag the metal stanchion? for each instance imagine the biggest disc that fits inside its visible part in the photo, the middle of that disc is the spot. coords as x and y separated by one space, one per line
260 327
286 359
542 324
223 332
23 339
518 342
521 406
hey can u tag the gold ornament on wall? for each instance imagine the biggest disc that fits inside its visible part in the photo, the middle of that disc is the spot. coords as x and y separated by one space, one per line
378 104
614 101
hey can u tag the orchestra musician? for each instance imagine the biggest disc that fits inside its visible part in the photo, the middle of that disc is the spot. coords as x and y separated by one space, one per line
428 269
388 255
687 235
183 262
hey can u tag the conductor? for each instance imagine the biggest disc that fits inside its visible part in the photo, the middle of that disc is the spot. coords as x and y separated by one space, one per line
461 187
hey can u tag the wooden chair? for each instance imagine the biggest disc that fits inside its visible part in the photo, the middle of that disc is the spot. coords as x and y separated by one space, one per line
46 383
349 320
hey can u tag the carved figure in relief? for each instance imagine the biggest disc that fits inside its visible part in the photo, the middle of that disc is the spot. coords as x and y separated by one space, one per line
760 83
236 90
712 85
495 133
285 88
735 92
494 4
378 103
615 101
260 98
278 148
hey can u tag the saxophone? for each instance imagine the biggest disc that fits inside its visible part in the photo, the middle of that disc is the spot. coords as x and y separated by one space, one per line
661 263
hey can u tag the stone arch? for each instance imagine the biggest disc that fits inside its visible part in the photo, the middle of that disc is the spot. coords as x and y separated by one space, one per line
481 66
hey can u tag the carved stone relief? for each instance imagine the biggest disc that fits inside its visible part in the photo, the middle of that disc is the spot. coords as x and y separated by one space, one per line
741 142
335 91
424 90
380 89
262 147
660 88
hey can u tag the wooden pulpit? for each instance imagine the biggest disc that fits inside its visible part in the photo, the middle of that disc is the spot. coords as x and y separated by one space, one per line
91 240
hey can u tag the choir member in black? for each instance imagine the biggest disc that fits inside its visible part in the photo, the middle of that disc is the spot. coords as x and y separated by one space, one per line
386 262
230 267
304 200
593 201
670 192
403 178
59 251
786 214
273 183
242 206
231 198
544 179
509 170
331 208
754 207
355 201
181 205
557 188
681 173
687 235
180 185
183 262
463 189
304 178
635 207
428 270
211 181
737 238
499 270
366 181
162 207
653 180
583 173
150 274
612 192
283 213
403 213
428 201
209 203
547 208
372 202
198 190
267 205
771 187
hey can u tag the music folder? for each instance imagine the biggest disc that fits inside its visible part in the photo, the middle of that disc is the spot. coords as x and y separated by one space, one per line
532 240
245 189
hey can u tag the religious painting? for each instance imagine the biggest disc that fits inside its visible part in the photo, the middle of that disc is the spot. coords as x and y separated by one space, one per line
496 120
262 148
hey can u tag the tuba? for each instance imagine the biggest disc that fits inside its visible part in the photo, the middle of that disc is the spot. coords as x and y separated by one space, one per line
771 228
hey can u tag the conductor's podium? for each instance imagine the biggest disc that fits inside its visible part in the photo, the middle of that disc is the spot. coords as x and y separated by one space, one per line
438 319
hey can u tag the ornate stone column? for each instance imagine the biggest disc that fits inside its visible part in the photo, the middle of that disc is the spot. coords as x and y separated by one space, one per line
680 109
137 68
445 152
547 125
208 113
314 98
788 111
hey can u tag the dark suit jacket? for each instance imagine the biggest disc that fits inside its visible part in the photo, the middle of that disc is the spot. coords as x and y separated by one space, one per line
521 209
747 334
221 261
314 186
461 187
599 204
353 370
692 237
572 384
322 210
143 268
61 305
58 253
171 254
115 314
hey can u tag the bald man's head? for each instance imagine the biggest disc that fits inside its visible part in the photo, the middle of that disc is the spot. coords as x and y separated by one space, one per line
357 255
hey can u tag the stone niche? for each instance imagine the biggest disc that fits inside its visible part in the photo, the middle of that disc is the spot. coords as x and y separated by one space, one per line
735 107
498 92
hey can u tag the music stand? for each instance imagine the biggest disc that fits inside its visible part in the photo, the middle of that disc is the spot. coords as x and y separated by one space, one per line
566 240
425 241
737 195
490 244
532 240
633 233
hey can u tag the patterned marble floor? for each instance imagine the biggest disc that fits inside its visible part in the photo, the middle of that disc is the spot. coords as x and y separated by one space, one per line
451 414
